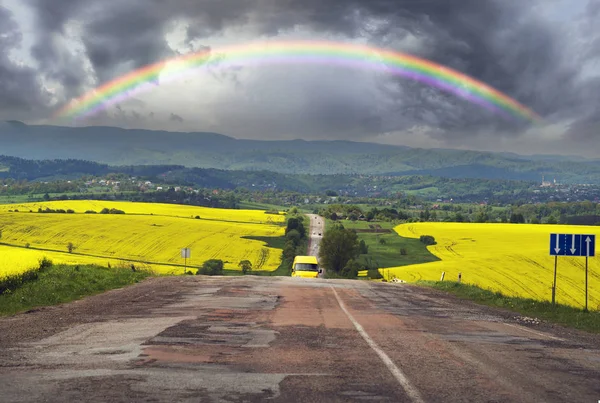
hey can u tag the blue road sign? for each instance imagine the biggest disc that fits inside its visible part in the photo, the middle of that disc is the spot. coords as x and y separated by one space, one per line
572 245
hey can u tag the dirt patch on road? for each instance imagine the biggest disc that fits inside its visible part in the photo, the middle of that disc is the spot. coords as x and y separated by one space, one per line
133 301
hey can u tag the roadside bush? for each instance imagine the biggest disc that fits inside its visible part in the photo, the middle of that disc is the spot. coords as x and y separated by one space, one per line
351 269
374 274
212 267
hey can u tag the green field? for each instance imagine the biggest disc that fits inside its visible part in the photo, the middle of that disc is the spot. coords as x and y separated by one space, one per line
388 254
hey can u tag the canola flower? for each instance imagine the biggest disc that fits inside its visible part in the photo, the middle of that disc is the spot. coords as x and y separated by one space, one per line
150 235
511 258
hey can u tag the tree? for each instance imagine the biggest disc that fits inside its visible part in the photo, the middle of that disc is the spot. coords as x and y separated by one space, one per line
293 236
338 246
246 266
364 249
370 215
70 247
211 267
482 216
517 218
295 223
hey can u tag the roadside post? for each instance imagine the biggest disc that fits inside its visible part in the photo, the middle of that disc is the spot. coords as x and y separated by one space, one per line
554 282
185 254
443 274
572 245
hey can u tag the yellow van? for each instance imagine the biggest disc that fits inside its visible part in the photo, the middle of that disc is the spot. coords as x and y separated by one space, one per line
305 266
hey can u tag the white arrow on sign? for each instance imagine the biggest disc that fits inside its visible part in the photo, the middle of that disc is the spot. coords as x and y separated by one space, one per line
557 249
587 242
573 250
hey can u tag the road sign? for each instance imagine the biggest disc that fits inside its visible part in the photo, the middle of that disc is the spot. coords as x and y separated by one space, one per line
572 245
185 253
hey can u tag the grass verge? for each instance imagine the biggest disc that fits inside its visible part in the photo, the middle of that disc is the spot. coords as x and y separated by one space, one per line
57 284
544 310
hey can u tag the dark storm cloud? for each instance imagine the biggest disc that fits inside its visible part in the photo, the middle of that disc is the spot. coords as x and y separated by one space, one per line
119 36
506 43
126 36
21 93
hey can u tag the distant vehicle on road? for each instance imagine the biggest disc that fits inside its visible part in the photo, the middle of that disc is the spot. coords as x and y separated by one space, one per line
306 266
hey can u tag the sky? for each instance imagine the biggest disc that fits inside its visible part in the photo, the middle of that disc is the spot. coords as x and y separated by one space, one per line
543 53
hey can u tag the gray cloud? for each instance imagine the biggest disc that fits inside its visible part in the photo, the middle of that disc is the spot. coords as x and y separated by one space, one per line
21 93
512 45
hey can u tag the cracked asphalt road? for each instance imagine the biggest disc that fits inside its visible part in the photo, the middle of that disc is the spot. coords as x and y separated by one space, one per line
250 339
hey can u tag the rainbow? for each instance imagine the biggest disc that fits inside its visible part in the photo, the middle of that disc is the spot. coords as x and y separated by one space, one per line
299 52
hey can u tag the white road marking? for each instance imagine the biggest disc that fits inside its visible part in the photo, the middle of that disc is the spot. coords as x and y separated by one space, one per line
410 390
523 328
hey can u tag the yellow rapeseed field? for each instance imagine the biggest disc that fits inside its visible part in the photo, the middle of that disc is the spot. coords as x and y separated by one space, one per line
171 210
151 234
512 258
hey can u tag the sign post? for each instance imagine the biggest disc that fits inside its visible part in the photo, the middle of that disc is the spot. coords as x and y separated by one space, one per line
185 254
572 245
586 284
554 283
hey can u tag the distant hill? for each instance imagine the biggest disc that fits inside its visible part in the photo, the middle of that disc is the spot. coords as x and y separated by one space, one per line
117 146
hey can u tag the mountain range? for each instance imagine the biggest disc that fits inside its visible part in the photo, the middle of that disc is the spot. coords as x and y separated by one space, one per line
118 146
